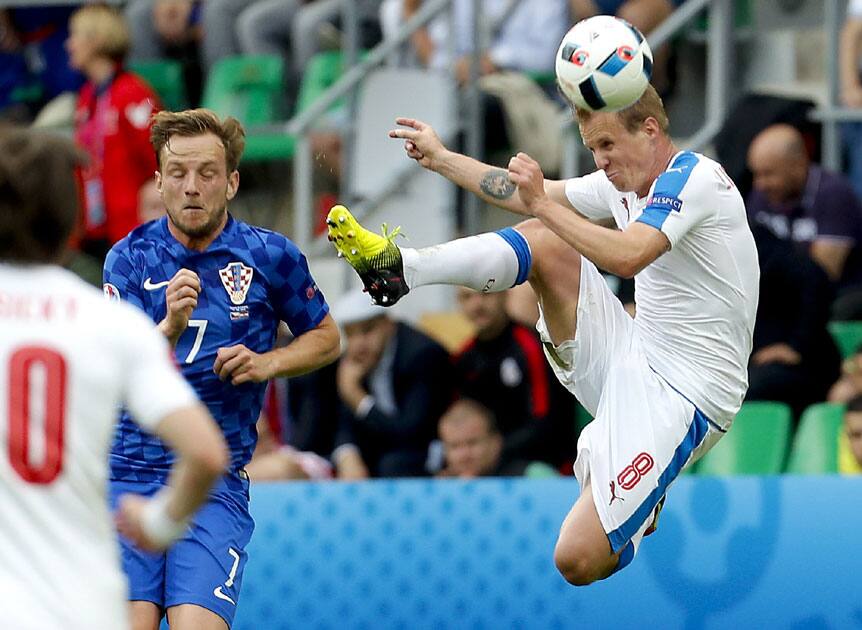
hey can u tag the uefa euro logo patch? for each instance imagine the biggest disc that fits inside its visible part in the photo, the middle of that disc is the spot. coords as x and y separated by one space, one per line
236 279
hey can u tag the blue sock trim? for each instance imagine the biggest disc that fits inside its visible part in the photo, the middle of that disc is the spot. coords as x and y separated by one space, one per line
522 250
626 557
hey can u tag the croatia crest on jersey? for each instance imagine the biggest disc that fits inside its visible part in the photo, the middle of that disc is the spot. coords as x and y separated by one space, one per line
236 279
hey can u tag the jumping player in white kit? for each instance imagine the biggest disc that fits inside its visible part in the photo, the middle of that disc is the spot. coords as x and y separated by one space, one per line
664 386
68 360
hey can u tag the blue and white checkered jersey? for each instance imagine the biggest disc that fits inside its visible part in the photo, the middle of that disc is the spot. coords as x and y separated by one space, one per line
696 303
251 279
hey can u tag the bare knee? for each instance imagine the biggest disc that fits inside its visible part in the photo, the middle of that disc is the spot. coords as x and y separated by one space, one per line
575 565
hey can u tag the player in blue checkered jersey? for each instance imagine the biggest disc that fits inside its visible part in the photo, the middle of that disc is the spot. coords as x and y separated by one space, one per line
218 289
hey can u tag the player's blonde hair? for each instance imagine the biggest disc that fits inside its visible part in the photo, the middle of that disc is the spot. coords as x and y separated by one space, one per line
197 122
633 116
106 26
39 194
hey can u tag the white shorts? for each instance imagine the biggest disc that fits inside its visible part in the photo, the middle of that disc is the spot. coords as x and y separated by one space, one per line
644 431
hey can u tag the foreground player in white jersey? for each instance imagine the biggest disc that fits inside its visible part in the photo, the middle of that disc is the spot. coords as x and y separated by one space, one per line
68 359
664 386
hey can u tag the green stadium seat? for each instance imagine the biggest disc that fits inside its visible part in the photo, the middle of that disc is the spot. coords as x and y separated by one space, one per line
540 470
756 444
165 76
251 89
847 336
815 447
322 70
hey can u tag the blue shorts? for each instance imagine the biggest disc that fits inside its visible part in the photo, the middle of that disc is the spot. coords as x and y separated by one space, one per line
204 567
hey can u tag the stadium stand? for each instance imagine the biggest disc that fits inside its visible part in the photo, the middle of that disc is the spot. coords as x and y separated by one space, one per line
165 76
847 336
815 445
757 445
250 88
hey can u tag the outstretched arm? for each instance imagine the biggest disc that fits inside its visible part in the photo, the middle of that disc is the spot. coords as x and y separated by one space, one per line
490 183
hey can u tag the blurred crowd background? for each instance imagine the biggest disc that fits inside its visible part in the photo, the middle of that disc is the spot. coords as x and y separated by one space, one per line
772 89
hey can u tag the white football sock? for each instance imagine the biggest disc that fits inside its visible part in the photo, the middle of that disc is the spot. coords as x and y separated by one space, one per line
488 262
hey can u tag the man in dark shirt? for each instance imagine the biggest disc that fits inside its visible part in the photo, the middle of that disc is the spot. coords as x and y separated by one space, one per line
801 202
794 359
393 384
503 368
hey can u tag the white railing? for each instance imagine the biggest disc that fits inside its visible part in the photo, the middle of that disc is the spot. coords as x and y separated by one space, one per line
832 115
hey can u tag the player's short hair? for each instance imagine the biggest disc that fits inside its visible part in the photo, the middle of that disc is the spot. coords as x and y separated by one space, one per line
39 194
197 122
633 116
107 26
466 407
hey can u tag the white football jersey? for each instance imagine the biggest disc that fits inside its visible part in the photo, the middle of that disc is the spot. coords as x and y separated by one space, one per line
68 360
696 304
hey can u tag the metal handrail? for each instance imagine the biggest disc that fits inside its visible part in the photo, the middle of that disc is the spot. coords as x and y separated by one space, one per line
302 123
832 114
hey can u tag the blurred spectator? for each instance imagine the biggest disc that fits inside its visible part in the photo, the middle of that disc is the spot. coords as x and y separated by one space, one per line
801 202
274 461
473 445
112 124
523 37
503 368
150 204
850 439
394 384
297 30
850 55
794 359
169 29
849 384
34 65
645 15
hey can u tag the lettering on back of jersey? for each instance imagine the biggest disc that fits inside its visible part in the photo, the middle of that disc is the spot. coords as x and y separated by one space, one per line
236 279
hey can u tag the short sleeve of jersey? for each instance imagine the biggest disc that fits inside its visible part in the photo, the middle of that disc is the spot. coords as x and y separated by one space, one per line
588 195
680 199
296 298
153 386
120 279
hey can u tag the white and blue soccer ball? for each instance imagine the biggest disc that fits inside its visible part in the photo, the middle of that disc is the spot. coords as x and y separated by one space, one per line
603 64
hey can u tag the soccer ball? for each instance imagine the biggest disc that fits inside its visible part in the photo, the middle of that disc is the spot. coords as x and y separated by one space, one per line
603 64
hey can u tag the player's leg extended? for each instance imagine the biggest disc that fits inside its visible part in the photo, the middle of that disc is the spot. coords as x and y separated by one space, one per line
487 262
583 553
493 262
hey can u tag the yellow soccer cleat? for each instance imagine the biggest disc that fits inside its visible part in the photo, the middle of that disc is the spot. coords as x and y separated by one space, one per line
375 257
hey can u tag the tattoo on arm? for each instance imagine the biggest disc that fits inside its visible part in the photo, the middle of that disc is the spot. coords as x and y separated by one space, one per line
497 185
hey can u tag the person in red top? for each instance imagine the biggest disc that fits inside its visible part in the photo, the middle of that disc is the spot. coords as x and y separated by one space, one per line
112 124
503 368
